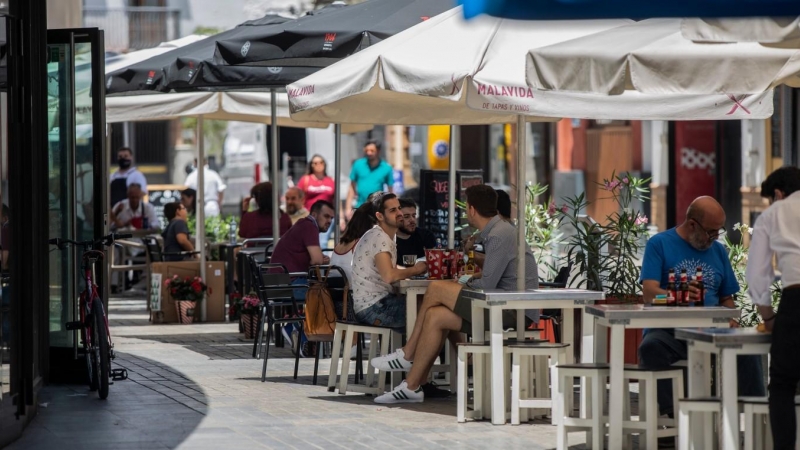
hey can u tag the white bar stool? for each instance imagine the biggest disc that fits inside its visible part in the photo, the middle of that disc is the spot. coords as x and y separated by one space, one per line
689 407
525 357
590 420
481 380
649 422
348 330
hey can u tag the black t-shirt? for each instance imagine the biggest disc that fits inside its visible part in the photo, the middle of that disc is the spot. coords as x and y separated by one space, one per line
171 244
416 244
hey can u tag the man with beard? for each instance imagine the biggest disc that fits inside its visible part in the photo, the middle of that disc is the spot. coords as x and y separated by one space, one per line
295 208
412 240
690 245
375 268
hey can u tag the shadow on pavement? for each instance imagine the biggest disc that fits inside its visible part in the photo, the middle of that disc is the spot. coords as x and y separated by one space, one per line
157 407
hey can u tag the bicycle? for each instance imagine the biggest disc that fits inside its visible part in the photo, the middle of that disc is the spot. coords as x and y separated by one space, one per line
93 324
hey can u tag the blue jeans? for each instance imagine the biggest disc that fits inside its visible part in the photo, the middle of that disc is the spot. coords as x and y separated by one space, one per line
390 311
660 349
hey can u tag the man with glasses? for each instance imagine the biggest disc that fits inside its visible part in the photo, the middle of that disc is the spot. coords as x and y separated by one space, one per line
412 240
690 245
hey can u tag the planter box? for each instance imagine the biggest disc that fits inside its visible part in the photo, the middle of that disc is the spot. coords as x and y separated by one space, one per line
215 299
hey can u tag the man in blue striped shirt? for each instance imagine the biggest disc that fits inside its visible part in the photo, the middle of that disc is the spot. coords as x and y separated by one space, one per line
445 310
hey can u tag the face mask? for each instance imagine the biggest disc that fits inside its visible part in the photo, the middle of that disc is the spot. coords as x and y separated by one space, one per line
124 163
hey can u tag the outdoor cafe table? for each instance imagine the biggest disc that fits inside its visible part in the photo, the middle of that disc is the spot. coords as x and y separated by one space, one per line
497 300
727 343
620 317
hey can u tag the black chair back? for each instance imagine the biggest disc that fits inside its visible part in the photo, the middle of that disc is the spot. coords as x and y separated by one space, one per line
265 276
152 249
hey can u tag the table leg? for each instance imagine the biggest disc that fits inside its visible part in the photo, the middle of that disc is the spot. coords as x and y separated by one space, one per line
411 309
587 343
567 333
616 394
730 400
497 363
478 327
699 386
520 325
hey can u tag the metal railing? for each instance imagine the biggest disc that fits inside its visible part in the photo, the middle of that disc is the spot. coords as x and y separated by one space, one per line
134 27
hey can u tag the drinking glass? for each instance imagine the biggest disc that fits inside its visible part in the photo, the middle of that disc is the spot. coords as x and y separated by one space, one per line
409 260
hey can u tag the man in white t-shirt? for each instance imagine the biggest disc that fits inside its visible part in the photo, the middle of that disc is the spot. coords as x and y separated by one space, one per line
375 268
134 212
213 185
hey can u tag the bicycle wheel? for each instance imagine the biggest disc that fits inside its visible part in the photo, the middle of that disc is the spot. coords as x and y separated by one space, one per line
89 352
100 338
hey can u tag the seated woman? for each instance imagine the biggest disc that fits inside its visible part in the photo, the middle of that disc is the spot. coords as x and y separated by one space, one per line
255 224
359 224
176 235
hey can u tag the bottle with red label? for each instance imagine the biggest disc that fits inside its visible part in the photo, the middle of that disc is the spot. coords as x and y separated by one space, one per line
698 278
671 294
683 290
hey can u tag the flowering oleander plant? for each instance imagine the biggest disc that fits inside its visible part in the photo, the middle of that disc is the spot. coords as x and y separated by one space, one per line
737 254
187 288
542 227
607 255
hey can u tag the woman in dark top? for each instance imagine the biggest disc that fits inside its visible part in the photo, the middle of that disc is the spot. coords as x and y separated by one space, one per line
176 235
255 224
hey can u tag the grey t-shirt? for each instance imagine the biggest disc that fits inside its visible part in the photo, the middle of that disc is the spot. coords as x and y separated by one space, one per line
171 244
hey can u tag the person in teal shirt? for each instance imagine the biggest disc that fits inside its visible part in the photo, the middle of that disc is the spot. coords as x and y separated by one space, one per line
369 174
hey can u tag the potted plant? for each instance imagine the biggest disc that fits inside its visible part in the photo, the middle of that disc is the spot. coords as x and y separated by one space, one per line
251 309
607 255
542 231
186 292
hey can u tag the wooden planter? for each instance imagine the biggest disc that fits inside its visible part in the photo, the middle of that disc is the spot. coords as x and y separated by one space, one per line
249 322
186 311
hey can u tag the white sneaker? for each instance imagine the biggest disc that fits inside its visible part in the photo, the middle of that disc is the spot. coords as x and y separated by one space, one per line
401 394
393 362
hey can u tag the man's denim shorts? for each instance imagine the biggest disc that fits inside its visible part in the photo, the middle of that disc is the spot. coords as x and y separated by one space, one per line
390 311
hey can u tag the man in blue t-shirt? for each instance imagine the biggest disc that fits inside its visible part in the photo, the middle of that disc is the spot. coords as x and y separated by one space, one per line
369 174
691 245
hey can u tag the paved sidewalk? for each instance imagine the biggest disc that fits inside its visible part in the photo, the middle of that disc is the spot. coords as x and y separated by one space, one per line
196 387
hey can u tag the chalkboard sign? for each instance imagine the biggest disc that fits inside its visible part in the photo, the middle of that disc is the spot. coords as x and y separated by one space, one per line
434 193
160 195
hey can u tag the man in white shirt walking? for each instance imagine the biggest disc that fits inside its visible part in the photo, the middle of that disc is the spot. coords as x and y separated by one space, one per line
213 185
776 232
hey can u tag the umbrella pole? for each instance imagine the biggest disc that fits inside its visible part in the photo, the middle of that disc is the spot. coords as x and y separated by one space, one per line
521 157
337 202
201 211
455 151
273 148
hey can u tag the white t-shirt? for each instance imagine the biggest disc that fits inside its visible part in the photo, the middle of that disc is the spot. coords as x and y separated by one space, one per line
131 176
212 184
366 283
144 210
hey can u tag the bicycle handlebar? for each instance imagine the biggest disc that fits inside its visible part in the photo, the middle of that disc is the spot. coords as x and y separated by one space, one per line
106 240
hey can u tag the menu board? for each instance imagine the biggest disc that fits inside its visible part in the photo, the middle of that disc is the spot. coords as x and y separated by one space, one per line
434 199
159 196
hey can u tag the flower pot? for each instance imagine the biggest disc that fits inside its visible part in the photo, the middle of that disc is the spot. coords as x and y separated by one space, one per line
250 324
186 310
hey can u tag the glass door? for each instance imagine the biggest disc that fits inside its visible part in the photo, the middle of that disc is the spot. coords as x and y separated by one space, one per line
76 136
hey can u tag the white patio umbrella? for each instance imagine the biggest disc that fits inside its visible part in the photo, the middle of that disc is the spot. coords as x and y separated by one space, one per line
784 31
653 57
448 70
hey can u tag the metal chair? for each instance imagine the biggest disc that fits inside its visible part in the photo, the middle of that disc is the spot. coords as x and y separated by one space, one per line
155 253
275 291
